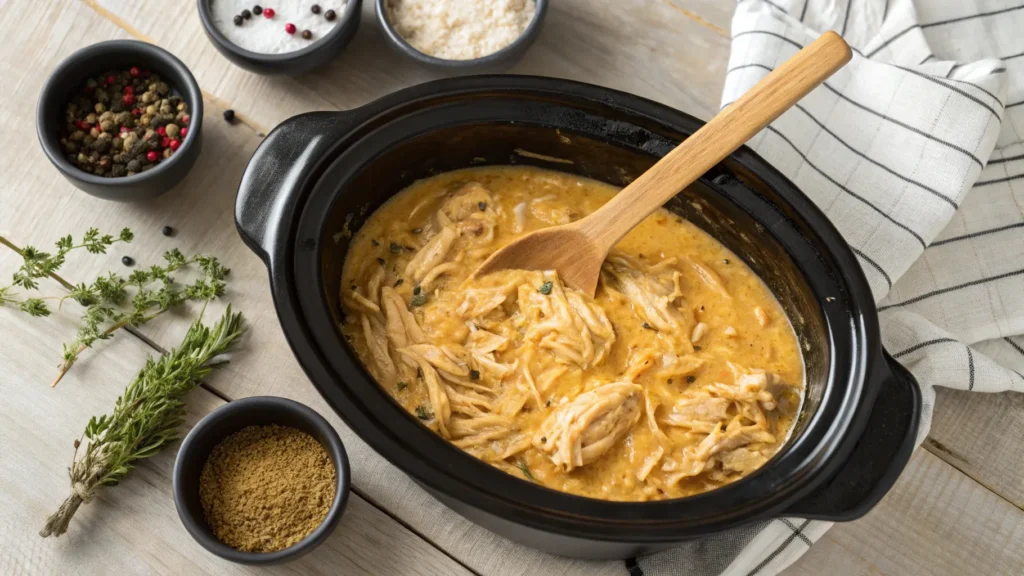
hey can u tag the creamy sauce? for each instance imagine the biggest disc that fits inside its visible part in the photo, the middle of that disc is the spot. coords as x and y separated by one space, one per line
683 373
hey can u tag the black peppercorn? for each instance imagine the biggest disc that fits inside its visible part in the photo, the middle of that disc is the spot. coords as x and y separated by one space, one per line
315 8
307 34
330 15
237 20
229 114
168 231
246 14
257 10
127 260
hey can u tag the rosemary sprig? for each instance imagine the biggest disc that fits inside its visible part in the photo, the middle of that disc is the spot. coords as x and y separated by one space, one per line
146 417
107 303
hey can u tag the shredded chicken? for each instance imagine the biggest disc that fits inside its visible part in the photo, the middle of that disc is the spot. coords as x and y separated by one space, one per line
646 390
581 431
565 324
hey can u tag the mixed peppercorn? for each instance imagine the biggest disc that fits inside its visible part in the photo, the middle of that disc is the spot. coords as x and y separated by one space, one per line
289 28
123 123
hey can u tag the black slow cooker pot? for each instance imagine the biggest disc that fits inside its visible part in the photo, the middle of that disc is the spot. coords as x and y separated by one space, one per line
319 176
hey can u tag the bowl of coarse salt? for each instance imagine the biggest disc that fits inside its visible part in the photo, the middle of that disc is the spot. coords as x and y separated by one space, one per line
462 35
286 37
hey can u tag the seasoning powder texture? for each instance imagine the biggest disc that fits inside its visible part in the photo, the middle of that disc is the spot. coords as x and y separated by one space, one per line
265 488
460 29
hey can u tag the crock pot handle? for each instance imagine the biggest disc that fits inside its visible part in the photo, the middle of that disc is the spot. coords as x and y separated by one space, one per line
277 173
878 457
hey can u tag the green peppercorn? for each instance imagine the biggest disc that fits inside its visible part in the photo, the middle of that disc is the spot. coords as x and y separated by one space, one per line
545 288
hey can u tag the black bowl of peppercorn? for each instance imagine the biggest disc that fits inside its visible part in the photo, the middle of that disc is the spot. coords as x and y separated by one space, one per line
121 120
321 50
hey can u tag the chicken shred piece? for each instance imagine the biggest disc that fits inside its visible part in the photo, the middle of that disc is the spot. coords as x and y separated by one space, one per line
432 254
579 432
438 396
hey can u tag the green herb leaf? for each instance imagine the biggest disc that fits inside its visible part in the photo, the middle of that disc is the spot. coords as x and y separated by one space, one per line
403 385
424 413
526 470
395 248
474 374
545 288
419 299
147 416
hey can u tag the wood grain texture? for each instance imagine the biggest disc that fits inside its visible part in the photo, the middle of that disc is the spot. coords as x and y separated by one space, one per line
133 528
673 51
935 521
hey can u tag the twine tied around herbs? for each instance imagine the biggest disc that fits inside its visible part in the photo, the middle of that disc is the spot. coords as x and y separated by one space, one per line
83 490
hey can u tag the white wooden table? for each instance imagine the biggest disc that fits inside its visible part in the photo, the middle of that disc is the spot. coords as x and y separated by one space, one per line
957 509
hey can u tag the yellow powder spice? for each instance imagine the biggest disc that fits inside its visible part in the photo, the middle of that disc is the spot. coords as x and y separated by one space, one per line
265 488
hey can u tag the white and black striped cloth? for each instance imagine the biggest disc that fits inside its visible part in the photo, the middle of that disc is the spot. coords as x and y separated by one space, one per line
915 150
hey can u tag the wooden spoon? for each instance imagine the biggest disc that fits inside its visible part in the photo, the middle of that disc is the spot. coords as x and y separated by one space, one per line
577 250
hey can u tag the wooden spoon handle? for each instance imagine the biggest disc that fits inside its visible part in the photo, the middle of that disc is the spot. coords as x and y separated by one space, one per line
721 136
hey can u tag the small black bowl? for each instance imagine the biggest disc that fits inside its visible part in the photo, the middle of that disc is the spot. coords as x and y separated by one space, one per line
492 63
69 76
294 63
228 419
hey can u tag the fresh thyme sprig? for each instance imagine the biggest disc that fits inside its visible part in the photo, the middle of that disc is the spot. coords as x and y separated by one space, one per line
146 417
107 301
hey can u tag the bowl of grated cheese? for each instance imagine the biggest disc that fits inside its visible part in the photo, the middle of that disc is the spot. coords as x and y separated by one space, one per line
462 35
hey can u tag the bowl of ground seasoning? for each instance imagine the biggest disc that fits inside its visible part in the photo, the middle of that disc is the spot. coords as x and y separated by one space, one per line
121 120
468 36
261 480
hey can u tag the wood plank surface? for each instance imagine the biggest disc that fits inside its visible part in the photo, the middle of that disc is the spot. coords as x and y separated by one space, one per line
935 521
133 528
673 51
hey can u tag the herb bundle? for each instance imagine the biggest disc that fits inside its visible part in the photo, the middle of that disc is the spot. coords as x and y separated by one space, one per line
108 304
146 417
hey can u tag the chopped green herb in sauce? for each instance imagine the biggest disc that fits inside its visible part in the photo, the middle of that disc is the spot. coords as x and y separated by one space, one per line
403 385
691 379
419 299
526 471
649 327
374 242
545 288
474 374
396 248
482 206
423 413
398 282
416 291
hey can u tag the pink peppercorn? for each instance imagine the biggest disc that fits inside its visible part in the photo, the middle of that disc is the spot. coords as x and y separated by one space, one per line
128 99
136 112
165 142
111 79
161 131
289 28
175 144
183 132
268 13
185 119
134 71
152 156
123 129
129 89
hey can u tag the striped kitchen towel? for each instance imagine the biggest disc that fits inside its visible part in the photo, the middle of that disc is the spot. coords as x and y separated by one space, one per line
915 150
